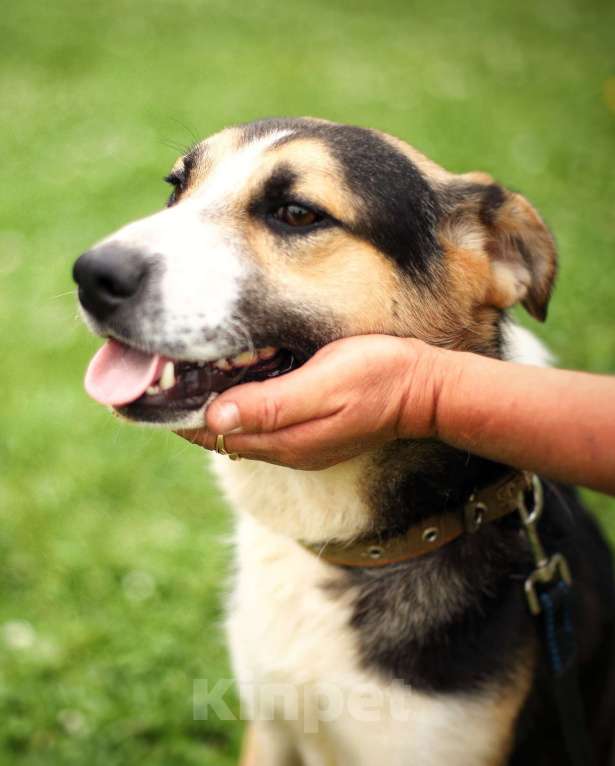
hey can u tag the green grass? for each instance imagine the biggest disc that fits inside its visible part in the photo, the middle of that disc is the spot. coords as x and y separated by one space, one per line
112 552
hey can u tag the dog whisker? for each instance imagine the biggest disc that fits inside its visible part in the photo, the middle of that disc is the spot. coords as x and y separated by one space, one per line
72 293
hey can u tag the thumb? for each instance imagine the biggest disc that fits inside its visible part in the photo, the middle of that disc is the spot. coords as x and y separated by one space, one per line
296 397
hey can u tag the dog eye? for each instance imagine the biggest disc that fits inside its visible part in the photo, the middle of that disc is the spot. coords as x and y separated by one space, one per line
297 215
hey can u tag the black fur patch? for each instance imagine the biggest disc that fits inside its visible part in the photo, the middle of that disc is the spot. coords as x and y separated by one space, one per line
399 210
417 479
483 200
457 619
474 640
275 321
277 190
194 156
524 252
492 199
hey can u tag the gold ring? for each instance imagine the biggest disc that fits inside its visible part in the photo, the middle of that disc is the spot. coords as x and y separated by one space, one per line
221 449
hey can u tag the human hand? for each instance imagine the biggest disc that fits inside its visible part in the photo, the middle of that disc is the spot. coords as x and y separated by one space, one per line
351 396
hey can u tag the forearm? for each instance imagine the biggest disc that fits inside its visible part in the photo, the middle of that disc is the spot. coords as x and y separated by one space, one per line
556 422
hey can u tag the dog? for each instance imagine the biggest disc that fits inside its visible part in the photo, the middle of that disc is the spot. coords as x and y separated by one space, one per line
279 237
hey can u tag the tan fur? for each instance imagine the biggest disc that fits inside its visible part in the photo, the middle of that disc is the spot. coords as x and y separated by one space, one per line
249 748
509 703
519 246
518 219
209 154
319 176
255 749
332 274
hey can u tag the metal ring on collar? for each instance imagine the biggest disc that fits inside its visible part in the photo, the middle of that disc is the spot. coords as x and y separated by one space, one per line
221 448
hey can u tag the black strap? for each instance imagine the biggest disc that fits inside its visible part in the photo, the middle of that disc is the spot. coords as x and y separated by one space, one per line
557 633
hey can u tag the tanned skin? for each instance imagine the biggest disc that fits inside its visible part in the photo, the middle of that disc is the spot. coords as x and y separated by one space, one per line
358 393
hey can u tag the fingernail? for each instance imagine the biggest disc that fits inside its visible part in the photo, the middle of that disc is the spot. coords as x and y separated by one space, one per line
227 417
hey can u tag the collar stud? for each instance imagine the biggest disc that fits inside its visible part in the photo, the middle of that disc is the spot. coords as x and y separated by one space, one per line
431 534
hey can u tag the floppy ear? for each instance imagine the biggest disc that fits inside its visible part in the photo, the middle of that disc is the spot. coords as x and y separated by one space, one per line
520 247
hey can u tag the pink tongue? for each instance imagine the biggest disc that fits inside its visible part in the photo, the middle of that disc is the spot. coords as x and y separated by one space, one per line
118 374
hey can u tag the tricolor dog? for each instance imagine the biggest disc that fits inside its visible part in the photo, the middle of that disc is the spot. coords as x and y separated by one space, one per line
279 237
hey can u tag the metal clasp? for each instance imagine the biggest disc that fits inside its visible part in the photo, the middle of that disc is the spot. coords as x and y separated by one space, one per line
548 568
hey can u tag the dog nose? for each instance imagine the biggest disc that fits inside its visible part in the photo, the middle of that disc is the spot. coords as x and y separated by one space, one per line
108 276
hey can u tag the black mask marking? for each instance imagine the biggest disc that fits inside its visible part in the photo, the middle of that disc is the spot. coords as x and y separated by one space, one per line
398 209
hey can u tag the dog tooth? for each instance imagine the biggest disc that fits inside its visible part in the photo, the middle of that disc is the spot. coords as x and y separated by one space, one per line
244 359
222 364
167 379
267 353
153 390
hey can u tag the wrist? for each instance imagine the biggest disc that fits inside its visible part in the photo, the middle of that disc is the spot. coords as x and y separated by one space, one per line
427 373
465 393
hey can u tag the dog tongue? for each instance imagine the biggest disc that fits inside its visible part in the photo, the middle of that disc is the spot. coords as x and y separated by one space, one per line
119 374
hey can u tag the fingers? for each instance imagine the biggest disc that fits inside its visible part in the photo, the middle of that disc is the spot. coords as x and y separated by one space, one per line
198 436
283 446
312 445
301 395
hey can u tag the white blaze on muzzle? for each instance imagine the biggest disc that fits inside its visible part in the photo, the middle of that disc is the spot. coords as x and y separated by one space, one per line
196 264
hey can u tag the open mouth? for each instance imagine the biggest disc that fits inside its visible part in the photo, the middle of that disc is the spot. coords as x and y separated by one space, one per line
155 388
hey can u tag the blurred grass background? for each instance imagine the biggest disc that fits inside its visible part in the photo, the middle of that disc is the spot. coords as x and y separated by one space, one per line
112 552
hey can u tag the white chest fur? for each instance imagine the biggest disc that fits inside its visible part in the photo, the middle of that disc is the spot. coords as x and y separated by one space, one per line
305 505
296 663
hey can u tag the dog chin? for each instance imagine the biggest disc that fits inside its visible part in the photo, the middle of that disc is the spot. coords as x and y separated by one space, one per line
187 420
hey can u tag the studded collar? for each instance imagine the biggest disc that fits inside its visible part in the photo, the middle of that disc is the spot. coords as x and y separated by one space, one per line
483 506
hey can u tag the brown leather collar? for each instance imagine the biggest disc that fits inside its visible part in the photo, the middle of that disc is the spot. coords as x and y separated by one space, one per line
483 505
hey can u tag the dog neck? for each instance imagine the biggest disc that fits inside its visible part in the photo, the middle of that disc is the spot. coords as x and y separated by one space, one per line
384 491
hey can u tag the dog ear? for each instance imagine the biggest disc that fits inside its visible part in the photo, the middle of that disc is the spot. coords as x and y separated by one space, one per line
520 247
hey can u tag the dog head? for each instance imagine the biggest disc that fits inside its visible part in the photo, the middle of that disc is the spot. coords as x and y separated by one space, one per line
283 235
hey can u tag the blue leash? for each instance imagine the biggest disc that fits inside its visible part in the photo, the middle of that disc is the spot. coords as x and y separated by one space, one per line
558 640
